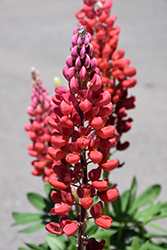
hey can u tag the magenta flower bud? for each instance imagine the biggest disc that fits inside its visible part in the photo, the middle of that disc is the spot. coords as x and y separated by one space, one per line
87 40
65 69
93 64
74 85
83 52
75 31
90 50
70 73
82 74
79 41
69 61
78 63
87 61
74 40
74 52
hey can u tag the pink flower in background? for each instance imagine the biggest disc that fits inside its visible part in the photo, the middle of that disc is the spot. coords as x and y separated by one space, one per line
38 130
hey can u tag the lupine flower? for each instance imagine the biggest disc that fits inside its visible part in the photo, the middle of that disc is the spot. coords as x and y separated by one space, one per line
38 130
80 136
116 73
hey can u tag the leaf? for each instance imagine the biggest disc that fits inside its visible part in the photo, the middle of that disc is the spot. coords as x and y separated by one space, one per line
24 218
55 242
117 206
157 227
100 234
39 202
22 248
153 235
152 210
148 196
135 243
32 229
151 246
48 188
72 243
132 194
34 247
163 208
91 229
124 200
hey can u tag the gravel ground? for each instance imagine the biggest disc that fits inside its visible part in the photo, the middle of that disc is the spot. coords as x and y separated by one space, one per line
38 33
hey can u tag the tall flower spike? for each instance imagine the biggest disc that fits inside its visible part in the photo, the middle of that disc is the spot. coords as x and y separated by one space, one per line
80 135
116 72
38 130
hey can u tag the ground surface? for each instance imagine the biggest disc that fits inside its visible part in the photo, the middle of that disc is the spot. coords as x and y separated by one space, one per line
38 33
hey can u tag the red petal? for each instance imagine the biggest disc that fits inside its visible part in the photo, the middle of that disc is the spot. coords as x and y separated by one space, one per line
56 153
87 202
109 165
85 106
104 221
56 183
65 108
83 142
97 210
110 195
72 158
95 156
103 99
100 185
54 228
106 132
70 229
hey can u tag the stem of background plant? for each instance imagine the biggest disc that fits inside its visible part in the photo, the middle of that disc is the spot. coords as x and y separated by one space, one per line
83 212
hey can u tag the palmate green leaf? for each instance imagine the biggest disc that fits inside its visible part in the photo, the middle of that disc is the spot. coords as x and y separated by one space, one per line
150 246
163 208
153 235
100 234
135 243
148 196
34 247
39 202
24 218
117 206
124 200
71 243
132 194
22 248
33 228
152 210
158 217
91 229
56 242
157 227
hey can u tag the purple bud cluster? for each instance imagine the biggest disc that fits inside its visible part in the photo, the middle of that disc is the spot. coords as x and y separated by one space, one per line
81 67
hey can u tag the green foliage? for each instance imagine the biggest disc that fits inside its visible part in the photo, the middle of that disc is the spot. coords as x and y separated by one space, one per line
130 214
39 220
